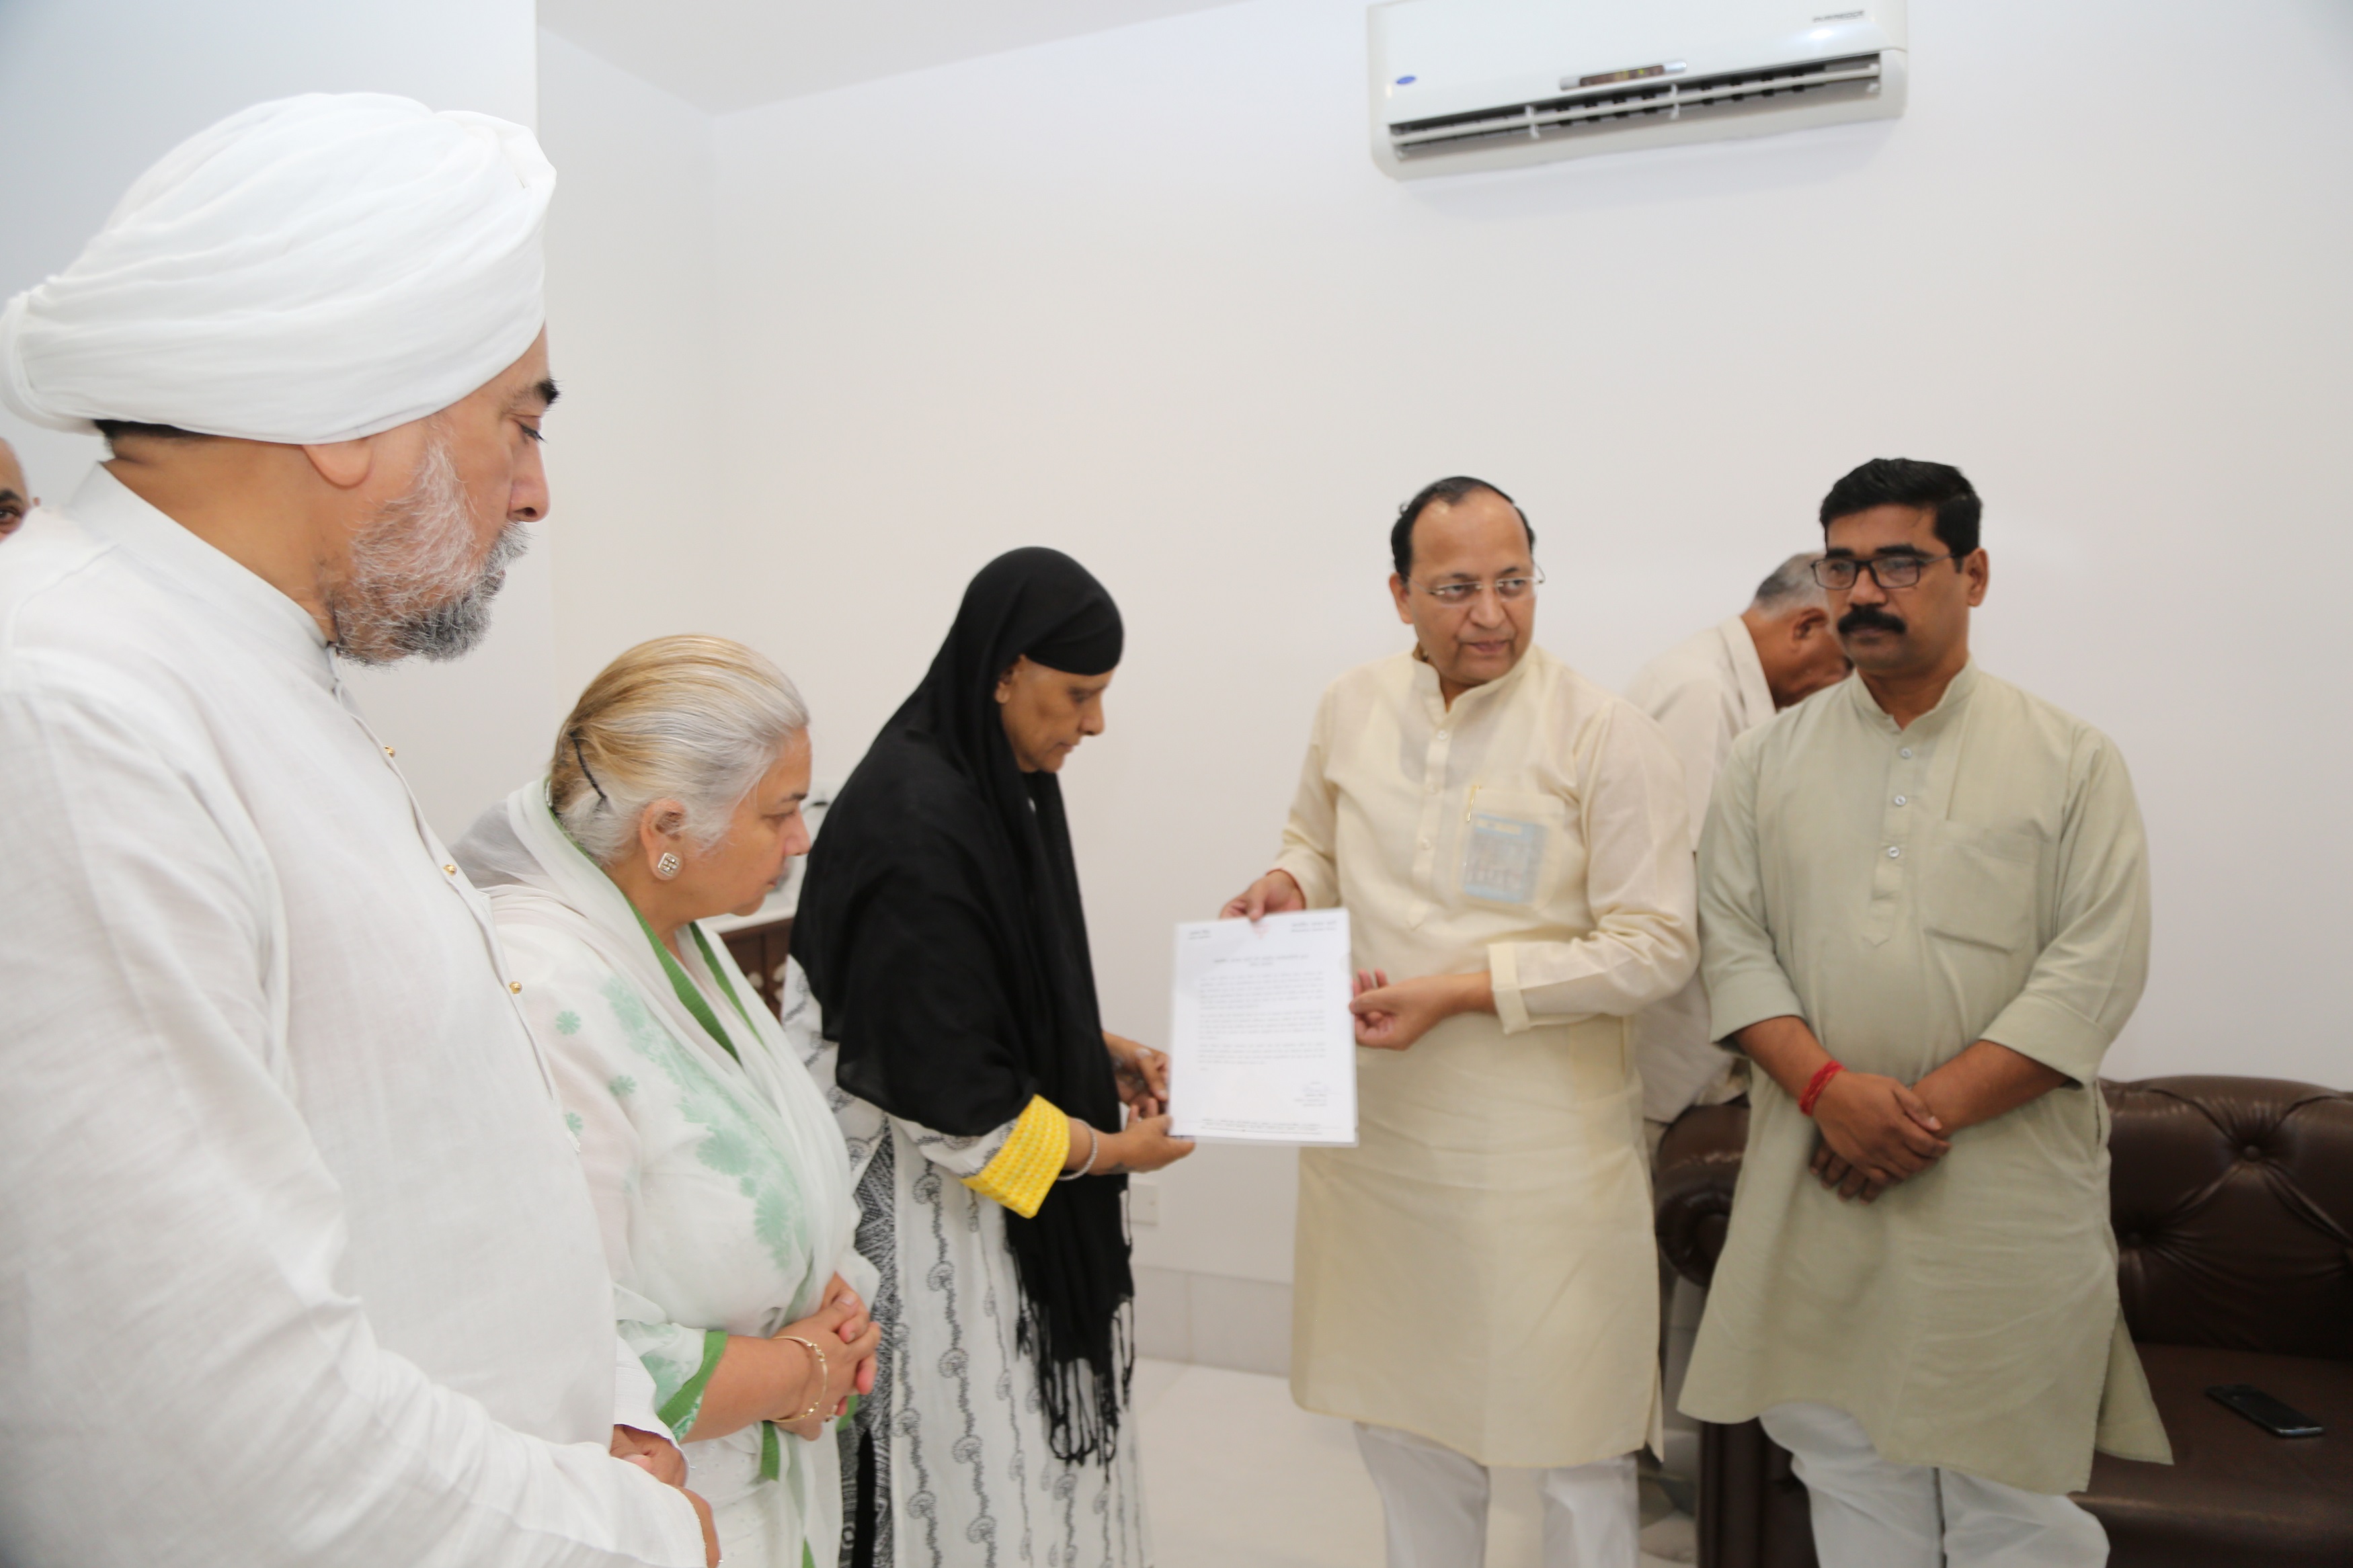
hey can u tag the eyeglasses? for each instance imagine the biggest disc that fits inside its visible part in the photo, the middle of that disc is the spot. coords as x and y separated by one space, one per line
1840 572
1508 589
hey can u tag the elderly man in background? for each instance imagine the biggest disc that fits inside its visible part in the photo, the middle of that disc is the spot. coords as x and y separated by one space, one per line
1477 1285
17 497
1926 904
300 1264
1705 692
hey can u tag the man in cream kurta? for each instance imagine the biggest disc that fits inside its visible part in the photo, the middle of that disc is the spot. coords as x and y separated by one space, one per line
1924 898
299 1267
1706 692
1476 1282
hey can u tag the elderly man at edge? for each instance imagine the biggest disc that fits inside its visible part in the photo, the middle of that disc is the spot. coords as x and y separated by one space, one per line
1706 692
301 1266
1925 897
15 496
1509 843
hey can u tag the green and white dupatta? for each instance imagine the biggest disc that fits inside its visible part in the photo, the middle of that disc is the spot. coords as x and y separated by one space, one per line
718 1171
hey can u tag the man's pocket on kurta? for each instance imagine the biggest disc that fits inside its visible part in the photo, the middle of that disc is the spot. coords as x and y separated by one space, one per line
1978 885
1502 858
1513 844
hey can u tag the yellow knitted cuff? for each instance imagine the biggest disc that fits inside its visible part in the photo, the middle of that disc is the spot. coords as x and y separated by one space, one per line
1024 1169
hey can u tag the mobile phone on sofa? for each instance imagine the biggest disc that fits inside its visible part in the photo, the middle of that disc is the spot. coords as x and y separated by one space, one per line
2275 1417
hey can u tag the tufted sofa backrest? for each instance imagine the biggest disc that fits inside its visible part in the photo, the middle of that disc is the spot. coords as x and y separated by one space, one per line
2233 1199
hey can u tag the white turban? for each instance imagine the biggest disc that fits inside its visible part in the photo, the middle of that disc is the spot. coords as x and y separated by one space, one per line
314 269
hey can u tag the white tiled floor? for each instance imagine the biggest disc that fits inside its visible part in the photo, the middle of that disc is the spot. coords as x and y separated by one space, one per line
1239 1477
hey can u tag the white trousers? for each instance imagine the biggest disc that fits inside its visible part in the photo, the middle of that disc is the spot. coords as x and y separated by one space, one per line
1435 1501
1868 1513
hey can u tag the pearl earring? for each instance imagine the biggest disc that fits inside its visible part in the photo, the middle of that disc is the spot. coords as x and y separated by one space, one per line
666 866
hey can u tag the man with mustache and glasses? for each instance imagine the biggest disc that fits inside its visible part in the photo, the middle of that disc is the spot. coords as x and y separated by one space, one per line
1511 845
299 1264
1924 900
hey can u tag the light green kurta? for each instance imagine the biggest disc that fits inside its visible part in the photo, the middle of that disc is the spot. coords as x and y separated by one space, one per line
1981 875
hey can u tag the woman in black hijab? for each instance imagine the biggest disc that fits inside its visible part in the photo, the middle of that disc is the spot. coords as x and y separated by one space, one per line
941 930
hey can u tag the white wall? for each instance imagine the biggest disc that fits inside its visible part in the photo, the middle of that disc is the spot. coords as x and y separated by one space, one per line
96 91
1143 295
634 448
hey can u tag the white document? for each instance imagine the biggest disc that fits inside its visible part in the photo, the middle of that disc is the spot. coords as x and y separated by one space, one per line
1261 1048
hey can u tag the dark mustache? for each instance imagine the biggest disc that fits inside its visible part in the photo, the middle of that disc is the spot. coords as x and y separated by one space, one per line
1869 617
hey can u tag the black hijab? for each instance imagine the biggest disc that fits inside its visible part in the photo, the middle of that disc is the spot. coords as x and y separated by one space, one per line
940 926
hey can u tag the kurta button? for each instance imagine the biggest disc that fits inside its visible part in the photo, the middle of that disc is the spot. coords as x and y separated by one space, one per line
1905 754
1895 852
1899 800
387 751
516 986
450 870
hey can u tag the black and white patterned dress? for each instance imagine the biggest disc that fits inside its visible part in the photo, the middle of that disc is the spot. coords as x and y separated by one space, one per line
954 1436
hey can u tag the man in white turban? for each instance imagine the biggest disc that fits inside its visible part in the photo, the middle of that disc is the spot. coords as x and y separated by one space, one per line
296 1263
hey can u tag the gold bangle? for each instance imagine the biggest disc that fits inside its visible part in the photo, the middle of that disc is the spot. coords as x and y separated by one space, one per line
818 1357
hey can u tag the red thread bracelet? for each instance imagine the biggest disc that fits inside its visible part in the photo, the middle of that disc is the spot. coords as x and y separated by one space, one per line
1815 1085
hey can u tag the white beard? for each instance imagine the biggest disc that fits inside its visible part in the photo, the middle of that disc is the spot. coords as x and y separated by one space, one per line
414 586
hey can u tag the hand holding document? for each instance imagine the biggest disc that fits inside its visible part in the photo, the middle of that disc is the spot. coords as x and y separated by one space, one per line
1261 1047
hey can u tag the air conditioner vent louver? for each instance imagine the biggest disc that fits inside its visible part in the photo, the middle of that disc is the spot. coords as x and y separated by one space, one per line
1597 111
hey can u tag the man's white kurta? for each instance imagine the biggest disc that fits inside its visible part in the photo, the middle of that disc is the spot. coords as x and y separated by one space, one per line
296 1262
1980 874
1705 693
1480 1270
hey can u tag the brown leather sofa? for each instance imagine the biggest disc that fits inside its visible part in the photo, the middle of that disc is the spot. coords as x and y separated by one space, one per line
2233 1200
760 952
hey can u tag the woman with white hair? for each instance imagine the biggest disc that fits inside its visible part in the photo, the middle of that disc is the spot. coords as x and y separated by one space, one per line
717 1170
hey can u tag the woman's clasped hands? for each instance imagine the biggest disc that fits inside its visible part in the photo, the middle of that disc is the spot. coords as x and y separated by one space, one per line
841 1363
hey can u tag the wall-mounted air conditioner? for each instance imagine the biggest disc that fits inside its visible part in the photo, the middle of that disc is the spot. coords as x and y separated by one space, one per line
1461 85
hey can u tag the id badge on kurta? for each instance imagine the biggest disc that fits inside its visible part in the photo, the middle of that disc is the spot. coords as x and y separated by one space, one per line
1502 857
